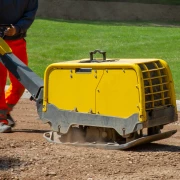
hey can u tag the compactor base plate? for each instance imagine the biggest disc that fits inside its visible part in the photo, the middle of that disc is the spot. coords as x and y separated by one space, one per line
54 137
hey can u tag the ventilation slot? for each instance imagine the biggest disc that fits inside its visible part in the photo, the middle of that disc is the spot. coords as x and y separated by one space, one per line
156 85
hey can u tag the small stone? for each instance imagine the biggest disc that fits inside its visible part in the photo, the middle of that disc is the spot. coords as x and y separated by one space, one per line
51 173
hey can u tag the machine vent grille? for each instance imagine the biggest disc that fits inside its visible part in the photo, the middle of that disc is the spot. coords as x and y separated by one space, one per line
156 85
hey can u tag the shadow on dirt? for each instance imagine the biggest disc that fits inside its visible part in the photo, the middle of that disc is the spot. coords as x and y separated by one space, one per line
8 163
31 131
154 147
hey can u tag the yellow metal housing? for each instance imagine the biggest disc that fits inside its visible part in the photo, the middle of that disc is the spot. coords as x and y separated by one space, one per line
4 48
117 87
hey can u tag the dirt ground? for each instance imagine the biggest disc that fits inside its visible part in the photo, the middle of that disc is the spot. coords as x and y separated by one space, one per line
26 155
107 11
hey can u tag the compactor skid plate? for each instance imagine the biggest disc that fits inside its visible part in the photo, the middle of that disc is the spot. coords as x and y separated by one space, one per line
54 137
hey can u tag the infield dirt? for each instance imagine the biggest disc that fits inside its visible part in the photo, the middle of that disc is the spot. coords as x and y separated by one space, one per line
26 155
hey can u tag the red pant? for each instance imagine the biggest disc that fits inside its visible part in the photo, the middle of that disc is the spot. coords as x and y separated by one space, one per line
10 98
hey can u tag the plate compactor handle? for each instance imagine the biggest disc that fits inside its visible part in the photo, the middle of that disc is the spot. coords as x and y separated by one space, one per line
99 51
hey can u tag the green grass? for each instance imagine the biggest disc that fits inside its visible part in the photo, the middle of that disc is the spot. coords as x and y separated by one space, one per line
52 41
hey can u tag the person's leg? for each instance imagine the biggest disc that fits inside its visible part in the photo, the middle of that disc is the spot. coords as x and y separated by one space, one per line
16 89
3 106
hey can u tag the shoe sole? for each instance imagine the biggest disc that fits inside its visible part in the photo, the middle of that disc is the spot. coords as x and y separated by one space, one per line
6 130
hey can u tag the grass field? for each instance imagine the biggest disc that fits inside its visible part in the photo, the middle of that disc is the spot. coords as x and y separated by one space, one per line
52 41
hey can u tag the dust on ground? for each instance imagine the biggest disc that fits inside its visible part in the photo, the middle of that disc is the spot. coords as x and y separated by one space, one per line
26 155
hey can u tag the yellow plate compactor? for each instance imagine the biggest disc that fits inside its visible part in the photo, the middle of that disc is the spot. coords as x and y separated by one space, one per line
104 103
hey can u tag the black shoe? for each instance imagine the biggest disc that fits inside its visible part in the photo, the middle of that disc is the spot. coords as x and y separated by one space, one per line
10 120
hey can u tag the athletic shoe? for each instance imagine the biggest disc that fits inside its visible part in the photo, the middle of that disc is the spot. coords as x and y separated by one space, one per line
4 127
10 120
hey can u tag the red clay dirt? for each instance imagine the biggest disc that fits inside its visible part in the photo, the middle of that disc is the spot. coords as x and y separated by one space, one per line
26 155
